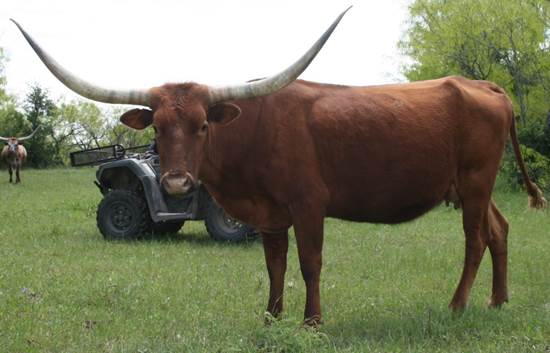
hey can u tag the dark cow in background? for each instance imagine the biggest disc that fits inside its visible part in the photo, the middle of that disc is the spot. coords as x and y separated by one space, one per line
15 154
277 153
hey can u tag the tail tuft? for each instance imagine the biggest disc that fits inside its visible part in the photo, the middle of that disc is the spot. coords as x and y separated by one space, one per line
536 198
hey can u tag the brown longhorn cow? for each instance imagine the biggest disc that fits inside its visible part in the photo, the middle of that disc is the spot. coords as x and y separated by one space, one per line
15 154
277 153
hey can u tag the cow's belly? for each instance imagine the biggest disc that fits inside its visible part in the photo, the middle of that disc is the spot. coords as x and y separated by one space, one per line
388 197
390 211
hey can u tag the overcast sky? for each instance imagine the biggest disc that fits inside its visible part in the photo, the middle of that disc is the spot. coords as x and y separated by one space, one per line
145 43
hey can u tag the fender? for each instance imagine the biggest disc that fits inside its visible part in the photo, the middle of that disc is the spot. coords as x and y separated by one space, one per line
134 174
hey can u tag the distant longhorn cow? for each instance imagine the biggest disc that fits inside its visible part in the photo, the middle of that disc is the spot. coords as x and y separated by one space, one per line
277 153
15 154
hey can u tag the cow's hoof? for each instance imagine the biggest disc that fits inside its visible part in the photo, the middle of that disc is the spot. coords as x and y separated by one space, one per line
497 301
270 318
457 307
314 321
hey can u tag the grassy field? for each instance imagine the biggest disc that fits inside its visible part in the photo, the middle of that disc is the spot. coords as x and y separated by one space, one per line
384 288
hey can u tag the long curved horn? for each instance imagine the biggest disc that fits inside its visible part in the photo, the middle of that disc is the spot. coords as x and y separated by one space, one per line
271 84
30 136
4 139
86 89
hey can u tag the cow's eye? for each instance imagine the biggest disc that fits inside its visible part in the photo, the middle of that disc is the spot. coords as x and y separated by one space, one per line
204 127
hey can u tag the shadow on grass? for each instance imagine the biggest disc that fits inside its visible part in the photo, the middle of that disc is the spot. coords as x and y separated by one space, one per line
195 238
426 328
191 238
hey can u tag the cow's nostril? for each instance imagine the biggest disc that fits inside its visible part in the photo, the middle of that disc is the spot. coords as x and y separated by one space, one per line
186 182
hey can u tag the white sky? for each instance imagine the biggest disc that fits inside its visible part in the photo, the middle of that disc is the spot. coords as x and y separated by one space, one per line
145 43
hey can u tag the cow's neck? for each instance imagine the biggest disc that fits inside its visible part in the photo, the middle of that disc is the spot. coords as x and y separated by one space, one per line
13 157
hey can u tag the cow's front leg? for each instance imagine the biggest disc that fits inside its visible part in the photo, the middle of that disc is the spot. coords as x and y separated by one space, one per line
11 172
17 178
275 249
309 239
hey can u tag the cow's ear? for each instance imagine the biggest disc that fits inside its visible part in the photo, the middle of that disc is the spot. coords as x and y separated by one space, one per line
223 113
137 118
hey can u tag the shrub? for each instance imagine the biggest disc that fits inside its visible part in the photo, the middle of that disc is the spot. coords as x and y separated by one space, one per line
538 168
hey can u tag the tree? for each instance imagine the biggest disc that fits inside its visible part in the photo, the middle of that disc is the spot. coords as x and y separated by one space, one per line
39 110
3 95
122 134
12 122
505 41
84 125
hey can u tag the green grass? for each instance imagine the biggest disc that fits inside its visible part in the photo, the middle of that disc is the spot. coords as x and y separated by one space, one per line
384 288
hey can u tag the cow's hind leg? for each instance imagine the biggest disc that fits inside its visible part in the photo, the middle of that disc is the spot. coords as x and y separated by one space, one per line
475 195
498 246
275 250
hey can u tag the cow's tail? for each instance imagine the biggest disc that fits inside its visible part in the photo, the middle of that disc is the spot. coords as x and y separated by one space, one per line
536 198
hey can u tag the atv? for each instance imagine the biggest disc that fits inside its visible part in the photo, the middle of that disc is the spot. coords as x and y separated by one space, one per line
134 204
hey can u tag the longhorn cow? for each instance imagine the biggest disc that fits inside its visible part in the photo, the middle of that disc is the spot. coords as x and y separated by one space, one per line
15 154
277 153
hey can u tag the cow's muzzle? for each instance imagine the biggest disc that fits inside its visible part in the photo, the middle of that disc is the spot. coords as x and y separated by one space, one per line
176 183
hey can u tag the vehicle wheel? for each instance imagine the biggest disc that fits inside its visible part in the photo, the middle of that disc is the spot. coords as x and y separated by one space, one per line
123 214
168 227
222 227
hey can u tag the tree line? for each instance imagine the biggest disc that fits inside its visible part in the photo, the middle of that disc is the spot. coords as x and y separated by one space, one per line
64 126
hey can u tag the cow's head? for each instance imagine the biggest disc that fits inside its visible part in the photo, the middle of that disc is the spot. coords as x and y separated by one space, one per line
13 142
181 114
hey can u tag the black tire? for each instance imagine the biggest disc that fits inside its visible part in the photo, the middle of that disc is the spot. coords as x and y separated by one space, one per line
123 214
222 227
168 227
